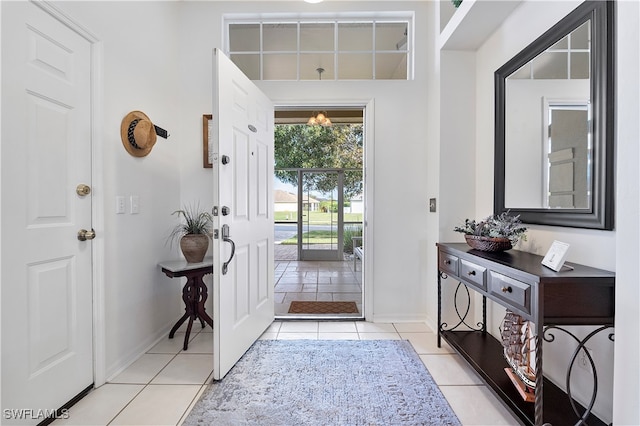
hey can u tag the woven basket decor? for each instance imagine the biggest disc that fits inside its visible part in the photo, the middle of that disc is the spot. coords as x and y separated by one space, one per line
488 243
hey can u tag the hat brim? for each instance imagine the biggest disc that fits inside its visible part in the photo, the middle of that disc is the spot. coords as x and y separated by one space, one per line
124 129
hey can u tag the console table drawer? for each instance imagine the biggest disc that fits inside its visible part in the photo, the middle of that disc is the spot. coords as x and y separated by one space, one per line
515 293
448 263
474 274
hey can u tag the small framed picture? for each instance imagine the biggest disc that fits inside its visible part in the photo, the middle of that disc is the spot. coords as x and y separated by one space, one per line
207 162
556 255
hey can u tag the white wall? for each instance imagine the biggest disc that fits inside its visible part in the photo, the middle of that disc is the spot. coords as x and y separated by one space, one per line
626 398
138 70
398 228
156 57
595 248
456 196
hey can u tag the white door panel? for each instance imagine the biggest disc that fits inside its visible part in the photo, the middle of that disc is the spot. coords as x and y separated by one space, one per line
243 131
47 336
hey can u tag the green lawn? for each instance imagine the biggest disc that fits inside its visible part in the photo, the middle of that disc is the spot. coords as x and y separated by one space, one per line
317 218
314 237
327 237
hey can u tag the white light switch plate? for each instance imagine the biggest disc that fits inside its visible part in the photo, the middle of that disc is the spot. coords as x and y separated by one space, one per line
120 206
135 204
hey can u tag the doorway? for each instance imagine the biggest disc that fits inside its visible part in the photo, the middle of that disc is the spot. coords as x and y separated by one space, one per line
319 214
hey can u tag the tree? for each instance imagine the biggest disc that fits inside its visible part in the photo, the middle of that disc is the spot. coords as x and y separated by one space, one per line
318 147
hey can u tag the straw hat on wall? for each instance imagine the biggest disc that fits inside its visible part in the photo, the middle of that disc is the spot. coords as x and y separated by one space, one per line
138 133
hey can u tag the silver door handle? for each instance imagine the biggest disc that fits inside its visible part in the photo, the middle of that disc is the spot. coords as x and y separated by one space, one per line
225 237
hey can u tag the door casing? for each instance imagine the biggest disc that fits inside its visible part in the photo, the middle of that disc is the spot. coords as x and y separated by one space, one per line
368 106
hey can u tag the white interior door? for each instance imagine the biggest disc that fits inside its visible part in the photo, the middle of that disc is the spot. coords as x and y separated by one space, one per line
47 356
243 192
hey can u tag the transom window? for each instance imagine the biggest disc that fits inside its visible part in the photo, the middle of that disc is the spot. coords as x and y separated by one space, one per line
328 49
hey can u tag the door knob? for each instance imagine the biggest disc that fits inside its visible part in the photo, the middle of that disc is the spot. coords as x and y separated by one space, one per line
225 159
83 189
84 235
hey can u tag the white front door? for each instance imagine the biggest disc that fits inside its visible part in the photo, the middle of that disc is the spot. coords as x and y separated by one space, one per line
243 192
47 356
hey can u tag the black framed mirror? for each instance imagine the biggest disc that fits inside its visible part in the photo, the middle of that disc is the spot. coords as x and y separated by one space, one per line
554 124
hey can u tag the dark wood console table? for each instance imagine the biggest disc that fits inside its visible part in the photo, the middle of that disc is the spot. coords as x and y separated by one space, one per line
194 292
518 281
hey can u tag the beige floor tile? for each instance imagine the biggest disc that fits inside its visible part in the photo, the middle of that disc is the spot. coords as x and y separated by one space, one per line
337 327
412 327
201 344
347 297
369 327
268 335
379 336
324 297
195 328
193 403
101 405
339 288
290 297
338 336
170 346
281 308
344 281
186 369
283 286
274 327
144 369
299 327
158 405
450 369
426 343
476 405
297 336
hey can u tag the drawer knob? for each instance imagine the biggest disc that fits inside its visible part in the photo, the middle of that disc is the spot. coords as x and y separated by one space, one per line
470 273
506 289
447 262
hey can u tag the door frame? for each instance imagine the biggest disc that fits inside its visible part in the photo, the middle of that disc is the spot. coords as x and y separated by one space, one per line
368 107
321 254
97 181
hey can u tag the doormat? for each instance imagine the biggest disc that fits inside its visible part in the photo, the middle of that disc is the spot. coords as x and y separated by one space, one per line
312 307
325 382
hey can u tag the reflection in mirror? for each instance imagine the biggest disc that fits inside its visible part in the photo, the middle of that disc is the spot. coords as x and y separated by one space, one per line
547 125
554 124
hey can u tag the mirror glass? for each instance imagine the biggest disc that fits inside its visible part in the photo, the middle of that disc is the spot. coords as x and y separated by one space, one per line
554 132
547 139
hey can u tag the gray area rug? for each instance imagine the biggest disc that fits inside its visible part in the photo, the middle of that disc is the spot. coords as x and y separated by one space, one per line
325 382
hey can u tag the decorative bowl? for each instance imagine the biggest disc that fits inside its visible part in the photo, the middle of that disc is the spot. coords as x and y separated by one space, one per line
488 243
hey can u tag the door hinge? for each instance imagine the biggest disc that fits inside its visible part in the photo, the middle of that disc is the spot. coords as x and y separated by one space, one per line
216 234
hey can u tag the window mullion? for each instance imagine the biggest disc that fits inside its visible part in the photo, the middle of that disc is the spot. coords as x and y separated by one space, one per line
373 53
261 54
298 46
335 51
381 35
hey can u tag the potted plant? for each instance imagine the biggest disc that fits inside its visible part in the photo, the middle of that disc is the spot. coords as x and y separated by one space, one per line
193 232
495 233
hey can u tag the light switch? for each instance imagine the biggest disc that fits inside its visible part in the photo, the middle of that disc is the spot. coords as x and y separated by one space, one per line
120 207
135 204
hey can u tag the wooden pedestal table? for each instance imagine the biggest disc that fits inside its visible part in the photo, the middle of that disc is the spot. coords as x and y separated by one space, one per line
194 292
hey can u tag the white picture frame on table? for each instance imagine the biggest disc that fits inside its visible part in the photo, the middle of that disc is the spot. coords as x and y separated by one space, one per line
555 257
